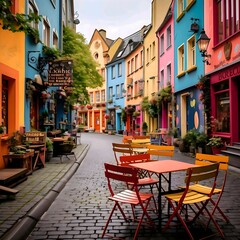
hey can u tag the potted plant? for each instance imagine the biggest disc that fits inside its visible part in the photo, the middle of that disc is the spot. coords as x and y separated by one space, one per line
144 128
49 152
191 138
201 142
216 144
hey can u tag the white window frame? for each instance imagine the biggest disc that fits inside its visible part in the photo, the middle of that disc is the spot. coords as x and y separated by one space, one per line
169 36
181 59
162 44
191 52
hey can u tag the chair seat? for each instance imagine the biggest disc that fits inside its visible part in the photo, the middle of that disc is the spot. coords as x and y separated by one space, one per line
190 198
203 189
130 197
147 181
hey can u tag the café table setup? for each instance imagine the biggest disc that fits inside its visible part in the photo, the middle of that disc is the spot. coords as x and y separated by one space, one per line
160 167
179 198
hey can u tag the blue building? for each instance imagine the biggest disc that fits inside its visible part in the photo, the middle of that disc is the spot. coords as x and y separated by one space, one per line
188 65
42 110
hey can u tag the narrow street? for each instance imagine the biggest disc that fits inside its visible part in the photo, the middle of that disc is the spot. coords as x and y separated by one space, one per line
81 209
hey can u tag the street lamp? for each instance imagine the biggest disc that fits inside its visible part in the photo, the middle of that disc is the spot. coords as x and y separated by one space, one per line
203 42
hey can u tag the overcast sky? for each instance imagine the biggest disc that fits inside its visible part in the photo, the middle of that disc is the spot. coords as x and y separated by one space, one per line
120 18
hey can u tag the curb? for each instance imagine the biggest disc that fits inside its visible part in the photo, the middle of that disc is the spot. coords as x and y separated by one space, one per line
23 228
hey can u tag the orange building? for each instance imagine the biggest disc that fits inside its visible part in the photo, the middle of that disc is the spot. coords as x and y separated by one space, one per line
12 65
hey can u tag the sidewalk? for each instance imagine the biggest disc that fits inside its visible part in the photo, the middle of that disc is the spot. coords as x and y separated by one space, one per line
42 187
81 209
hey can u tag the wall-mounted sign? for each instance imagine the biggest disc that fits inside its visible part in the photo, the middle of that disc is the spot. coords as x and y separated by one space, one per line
60 73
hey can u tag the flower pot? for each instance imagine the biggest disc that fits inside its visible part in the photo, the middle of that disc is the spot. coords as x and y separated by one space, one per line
217 150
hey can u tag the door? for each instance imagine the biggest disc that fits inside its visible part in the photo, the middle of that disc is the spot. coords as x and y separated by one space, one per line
97 121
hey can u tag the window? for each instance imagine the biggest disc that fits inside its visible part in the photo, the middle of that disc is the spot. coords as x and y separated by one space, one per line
162 78
132 65
110 93
147 55
129 67
222 107
113 72
141 58
191 53
46 33
91 97
123 91
103 95
33 9
136 62
180 7
162 44
5 104
169 37
55 40
118 91
153 50
97 96
120 69
181 59
103 73
227 18
169 73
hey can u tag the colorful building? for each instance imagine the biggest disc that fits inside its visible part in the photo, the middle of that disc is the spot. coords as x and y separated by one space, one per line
12 80
151 67
223 68
166 68
188 65
93 114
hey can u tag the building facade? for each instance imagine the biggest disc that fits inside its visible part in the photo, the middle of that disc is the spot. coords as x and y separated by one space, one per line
224 69
188 65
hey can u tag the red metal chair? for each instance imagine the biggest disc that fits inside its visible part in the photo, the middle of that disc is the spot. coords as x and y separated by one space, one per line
120 196
145 178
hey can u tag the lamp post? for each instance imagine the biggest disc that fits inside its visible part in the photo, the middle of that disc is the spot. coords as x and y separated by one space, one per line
203 42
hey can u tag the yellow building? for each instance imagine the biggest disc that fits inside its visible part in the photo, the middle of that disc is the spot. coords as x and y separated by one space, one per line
151 75
12 72
103 50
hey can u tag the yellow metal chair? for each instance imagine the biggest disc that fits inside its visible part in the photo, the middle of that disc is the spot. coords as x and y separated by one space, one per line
206 159
160 150
181 200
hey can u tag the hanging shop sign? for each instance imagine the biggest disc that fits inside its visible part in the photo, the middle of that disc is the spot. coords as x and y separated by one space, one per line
60 73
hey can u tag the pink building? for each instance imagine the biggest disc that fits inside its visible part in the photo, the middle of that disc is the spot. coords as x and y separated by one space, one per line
166 65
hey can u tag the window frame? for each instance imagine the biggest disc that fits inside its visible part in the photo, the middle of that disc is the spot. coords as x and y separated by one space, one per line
191 53
181 59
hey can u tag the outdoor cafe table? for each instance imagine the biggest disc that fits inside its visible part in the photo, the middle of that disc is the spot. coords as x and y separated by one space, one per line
160 167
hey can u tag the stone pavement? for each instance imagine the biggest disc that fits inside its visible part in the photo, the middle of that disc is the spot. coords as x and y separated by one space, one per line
81 208
37 193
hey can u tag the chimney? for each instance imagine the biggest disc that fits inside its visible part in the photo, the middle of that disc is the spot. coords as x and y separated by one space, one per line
103 33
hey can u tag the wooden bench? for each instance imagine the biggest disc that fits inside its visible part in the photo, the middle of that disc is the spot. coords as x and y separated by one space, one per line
11 177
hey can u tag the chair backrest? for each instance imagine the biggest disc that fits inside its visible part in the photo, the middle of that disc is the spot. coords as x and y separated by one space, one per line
140 141
121 149
137 158
205 159
160 150
201 173
126 138
119 173
141 137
